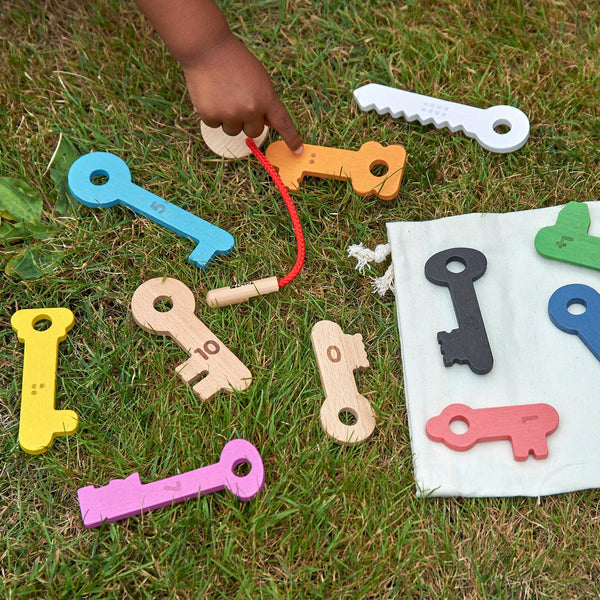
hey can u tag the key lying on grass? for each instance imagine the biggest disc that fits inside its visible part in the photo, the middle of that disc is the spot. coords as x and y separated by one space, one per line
122 498
360 166
208 355
526 426
482 124
39 422
86 184
338 355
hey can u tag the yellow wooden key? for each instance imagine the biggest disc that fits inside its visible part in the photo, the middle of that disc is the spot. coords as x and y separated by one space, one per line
40 423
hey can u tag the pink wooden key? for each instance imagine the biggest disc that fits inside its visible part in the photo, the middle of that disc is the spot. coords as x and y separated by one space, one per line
122 498
526 426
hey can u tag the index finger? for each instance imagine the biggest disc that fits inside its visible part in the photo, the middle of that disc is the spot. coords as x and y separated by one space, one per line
279 119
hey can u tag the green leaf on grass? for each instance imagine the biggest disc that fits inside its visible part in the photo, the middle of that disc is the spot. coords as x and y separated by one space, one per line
66 154
19 201
32 263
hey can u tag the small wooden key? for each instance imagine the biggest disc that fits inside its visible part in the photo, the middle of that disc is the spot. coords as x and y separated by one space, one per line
526 426
336 163
207 353
338 355
40 423
122 498
568 239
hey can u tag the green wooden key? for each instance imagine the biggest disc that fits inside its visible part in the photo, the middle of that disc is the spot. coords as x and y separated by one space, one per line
568 240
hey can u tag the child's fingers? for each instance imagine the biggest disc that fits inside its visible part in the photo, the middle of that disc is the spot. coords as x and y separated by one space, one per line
254 127
279 119
232 127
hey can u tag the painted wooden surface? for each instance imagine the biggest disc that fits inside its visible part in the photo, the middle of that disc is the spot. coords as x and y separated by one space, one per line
122 498
338 355
526 426
336 163
568 239
208 354
102 180
39 421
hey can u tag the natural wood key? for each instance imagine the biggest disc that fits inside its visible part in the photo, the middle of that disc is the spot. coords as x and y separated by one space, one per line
335 163
207 353
40 423
338 355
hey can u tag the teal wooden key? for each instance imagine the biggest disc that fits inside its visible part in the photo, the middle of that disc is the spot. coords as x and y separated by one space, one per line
568 240
118 188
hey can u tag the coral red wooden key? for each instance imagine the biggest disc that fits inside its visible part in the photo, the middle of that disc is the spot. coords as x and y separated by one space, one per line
207 353
338 355
336 163
526 426
122 498
40 422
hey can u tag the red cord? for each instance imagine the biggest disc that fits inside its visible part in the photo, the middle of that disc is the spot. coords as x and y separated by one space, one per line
300 248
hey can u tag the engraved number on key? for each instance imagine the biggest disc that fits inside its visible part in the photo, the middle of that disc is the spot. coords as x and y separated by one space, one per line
469 343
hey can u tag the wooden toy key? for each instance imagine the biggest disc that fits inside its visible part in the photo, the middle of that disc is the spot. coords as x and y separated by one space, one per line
335 163
338 355
526 426
568 239
207 353
122 498
40 423
119 189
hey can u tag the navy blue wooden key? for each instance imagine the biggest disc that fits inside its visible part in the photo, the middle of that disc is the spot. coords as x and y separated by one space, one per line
469 343
86 185
586 324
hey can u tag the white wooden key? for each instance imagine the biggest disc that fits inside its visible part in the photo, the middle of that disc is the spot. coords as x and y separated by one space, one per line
207 353
338 355
478 123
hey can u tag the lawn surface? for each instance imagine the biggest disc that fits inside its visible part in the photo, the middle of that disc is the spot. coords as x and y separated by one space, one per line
332 522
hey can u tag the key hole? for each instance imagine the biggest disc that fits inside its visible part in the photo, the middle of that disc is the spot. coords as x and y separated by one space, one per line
42 324
502 126
348 417
163 304
456 265
577 306
242 468
99 177
459 425
379 168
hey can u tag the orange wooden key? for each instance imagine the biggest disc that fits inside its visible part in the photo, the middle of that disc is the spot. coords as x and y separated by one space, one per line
334 163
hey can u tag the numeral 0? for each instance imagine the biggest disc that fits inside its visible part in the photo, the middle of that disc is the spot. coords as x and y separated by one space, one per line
334 354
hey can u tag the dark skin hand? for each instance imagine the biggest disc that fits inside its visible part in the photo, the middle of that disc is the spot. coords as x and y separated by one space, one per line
228 86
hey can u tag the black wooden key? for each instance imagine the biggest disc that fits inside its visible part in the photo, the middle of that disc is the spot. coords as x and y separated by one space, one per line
469 343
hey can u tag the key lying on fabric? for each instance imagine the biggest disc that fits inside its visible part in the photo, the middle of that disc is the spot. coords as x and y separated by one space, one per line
118 189
207 353
526 426
338 355
39 422
122 498
469 343
336 163
586 325
478 123
568 239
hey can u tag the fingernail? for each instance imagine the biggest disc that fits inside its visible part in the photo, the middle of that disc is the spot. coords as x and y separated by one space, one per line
299 150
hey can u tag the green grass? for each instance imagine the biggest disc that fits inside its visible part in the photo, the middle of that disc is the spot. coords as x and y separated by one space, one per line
332 522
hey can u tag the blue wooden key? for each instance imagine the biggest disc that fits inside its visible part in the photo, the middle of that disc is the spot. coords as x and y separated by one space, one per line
119 189
585 325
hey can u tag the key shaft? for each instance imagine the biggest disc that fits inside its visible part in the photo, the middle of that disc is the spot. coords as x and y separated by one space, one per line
469 343
481 124
122 498
208 355
585 325
39 421
118 189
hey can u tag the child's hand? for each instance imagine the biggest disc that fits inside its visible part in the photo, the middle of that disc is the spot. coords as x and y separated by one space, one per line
230 87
